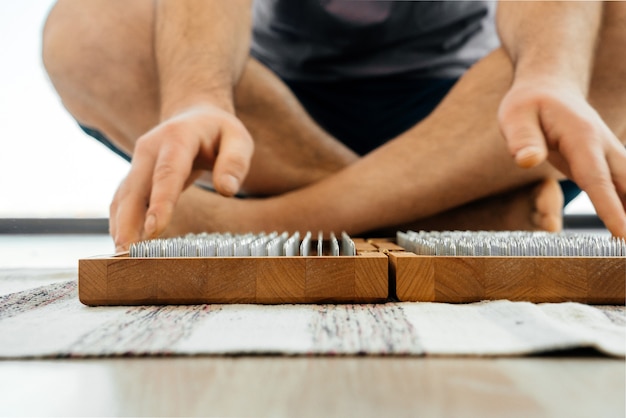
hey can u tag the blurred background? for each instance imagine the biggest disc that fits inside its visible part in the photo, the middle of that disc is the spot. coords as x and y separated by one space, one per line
50 171
48 167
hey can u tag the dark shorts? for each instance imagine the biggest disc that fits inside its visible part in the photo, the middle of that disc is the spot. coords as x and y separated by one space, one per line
365 114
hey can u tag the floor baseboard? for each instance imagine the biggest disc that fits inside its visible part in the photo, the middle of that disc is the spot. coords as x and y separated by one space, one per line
17 226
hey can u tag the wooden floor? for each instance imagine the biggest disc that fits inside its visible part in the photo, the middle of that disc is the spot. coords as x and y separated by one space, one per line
551 386
320 387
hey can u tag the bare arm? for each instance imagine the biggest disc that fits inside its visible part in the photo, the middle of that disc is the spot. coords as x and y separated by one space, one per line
457 155
551 39
545 114
201 47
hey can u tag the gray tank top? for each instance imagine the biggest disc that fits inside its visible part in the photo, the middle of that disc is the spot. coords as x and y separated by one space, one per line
309 40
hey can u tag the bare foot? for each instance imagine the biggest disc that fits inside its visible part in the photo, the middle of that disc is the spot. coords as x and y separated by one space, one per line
199 210
535 207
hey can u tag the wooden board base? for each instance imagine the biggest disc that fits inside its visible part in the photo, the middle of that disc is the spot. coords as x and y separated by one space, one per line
381 269
594 280
123 280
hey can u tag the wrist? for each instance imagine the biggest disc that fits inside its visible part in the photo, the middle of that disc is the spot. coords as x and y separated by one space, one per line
553 74
214 100
551 39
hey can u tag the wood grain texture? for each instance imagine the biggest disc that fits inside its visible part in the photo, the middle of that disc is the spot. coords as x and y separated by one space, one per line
596 280
370 277
458 279
414 279
330 279
602 280
92 288
269 280
366 272
362 245
309 386
282 282
385 244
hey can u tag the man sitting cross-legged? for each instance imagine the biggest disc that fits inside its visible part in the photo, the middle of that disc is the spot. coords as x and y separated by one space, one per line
350 132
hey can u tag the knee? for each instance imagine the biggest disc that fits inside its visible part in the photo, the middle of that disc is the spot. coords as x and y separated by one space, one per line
82 39
59 37
72 37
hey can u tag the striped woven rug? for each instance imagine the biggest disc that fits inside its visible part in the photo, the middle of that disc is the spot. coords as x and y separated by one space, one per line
49 321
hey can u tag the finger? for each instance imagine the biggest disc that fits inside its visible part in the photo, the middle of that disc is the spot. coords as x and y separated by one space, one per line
112 217
128 210
617 165
521 129
125 222
233 161
592 173
609 207
171 171
127 215
616 157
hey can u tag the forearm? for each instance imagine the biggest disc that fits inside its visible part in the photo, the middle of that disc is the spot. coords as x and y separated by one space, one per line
550 39
201 47
430 169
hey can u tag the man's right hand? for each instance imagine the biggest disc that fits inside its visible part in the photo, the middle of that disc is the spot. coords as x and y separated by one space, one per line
167 159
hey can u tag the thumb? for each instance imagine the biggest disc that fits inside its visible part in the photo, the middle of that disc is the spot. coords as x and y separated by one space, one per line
522 131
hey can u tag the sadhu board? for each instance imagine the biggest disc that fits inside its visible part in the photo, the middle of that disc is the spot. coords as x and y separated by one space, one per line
285 269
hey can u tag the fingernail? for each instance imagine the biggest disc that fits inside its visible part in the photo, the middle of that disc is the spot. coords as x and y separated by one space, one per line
150 225
230 184
528 156
119 247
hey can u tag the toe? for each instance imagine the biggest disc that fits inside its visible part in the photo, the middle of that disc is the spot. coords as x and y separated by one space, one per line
548 206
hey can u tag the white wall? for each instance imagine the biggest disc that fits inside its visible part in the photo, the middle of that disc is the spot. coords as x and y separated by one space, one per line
48 167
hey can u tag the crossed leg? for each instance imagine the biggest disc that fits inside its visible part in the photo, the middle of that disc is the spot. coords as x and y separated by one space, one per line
102 64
